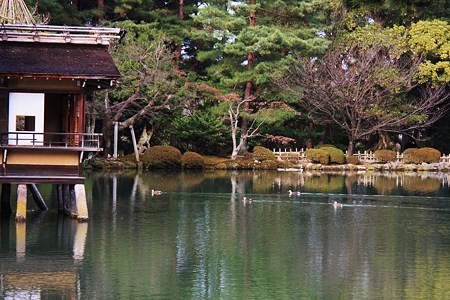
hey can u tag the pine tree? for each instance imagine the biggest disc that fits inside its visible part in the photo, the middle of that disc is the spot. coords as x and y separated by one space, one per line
243 43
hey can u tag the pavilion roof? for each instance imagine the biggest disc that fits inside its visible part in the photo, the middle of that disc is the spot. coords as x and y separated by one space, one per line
56 60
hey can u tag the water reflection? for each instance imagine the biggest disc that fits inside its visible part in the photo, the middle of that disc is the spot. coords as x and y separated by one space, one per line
197 240
48 250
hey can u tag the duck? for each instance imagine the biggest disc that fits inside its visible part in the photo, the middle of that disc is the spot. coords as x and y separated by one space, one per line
291 193
246 200
156 192
337 204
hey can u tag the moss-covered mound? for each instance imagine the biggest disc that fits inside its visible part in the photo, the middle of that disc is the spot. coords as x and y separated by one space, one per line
192 160
162 157
261 154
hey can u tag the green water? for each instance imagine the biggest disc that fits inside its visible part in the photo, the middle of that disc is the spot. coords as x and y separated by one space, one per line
390 240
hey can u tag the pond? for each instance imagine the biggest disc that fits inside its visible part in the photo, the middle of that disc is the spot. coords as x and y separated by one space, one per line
198 240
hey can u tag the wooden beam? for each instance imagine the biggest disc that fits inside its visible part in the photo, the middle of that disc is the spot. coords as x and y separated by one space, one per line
21 212
82 209
37 196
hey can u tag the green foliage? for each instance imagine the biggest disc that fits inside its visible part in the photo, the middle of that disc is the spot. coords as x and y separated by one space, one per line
432 39
201 132
262 154
385 156
192 160
336 155
318 156
162 157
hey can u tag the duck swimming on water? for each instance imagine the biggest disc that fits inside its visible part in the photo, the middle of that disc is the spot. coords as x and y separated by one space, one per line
246 200
291 193
337 204
156 192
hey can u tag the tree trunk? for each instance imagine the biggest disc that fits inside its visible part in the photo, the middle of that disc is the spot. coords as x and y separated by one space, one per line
384 141
248 85
177 51
107 128
351 144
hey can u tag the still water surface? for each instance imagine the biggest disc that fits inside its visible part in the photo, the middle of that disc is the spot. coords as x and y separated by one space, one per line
390 240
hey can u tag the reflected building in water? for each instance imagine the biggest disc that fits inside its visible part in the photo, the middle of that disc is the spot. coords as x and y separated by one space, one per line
30 275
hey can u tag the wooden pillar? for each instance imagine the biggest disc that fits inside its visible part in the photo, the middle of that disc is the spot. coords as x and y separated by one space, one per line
82 210
5 207
66 199
60 198
73 202
21 213
37 196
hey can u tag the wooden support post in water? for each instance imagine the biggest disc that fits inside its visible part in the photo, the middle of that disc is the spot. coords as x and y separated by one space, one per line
59 196
21 213
66 199
80 194
73 202
5 207
37 196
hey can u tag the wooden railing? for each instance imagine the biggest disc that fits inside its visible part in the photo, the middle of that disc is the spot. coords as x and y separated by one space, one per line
85 141
58 34
366 156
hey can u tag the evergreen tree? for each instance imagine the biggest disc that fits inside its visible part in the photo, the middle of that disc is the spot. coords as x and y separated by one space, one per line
243 43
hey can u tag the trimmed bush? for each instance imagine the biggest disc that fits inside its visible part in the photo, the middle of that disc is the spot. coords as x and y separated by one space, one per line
412 156
418 156
318 156
162 157
336 155
430 155
269 165
352 160
384 156
261 154
192 160
284 164
324 146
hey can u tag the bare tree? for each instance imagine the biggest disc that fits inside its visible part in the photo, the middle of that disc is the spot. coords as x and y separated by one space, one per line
365 90
146 86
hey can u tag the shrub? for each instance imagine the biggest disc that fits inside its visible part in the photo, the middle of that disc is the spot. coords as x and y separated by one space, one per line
336 155
324 146
412 156
353 160
385 156
192 160
318 156
269 165
418 156
162 157
430 155
284 164
261 154
221 166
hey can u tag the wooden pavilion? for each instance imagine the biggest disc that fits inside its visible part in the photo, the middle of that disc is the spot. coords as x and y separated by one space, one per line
45 74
